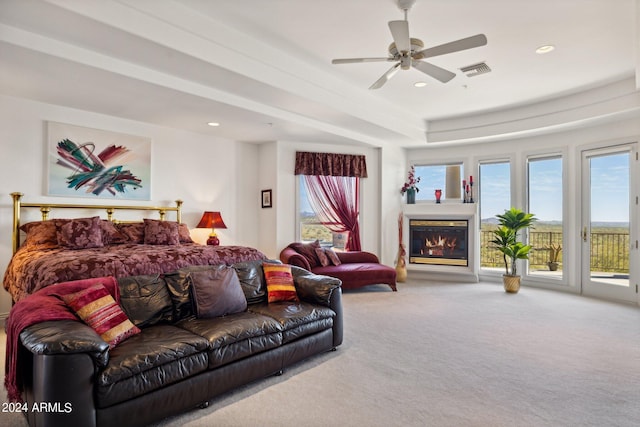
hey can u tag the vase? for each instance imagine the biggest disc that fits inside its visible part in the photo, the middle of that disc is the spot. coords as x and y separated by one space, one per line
401 265
411 196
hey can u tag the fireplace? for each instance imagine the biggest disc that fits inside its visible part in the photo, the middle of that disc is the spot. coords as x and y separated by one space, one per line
439 242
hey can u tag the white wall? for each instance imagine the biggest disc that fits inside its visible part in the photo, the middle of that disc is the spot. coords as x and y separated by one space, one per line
268 217
392 175
199 169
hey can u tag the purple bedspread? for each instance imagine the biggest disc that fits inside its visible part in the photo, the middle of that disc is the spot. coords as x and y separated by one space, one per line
31 270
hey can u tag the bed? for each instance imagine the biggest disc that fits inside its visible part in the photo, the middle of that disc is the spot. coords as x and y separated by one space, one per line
59 250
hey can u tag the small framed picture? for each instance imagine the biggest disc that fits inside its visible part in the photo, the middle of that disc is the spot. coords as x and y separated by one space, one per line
266 199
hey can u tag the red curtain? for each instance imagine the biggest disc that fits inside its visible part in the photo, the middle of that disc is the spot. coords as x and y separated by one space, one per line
334 199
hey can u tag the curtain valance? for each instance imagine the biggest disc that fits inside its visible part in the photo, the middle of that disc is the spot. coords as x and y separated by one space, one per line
330 164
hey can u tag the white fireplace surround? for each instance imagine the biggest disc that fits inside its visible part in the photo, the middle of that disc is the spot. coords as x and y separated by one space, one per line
447 210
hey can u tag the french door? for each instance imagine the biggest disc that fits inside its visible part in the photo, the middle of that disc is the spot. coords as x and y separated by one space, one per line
609 214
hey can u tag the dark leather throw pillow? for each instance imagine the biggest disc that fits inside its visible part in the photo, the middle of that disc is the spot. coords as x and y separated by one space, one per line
217 292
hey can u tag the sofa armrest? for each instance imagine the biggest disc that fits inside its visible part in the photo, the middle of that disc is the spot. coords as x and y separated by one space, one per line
291 257
65 337
314 288
357 256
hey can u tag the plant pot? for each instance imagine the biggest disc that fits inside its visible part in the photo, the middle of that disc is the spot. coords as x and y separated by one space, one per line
511 283
553 266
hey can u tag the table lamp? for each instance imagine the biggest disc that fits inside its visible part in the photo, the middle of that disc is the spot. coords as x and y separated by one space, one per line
212 220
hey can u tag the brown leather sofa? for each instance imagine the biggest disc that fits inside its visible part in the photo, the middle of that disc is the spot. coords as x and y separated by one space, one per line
178 362
355 269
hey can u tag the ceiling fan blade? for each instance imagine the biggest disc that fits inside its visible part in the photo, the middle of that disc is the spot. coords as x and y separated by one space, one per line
357 60
455 46
400 33
385 77
433 71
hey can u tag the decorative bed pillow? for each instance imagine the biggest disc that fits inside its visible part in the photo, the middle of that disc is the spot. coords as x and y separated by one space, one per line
79 233
307 250
160 232
110 233
133 231
184 233
322 257
280 285
40 235
97 308
333 256
217 292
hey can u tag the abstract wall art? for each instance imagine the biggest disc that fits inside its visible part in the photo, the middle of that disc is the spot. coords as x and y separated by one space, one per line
85 162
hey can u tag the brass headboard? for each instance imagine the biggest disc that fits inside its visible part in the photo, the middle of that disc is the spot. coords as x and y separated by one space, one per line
45 208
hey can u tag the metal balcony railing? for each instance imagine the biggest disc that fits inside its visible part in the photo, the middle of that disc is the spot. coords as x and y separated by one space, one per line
609 250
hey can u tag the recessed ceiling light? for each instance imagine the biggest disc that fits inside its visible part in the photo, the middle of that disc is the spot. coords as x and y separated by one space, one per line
213 124
545 49
420 84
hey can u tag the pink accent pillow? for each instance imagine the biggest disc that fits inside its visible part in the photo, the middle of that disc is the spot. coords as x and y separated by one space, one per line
333 256
97 308
79 233
324 261
161 232
40 235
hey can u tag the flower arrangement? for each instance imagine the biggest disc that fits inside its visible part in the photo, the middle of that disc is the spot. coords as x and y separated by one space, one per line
412 181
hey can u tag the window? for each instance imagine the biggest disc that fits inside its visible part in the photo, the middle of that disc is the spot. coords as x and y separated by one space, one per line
331 185
310 227
447 177
545 202
495 197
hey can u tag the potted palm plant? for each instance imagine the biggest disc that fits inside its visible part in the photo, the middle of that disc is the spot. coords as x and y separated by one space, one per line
554 255
506 240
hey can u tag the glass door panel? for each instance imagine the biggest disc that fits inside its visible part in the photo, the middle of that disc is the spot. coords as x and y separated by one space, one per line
606 228
545 192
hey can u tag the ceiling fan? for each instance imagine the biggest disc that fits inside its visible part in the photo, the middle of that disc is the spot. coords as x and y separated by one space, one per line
408 52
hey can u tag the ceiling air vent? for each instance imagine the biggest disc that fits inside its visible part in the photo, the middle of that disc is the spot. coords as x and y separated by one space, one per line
476 69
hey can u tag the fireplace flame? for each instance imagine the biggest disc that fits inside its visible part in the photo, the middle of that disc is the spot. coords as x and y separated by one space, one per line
437 246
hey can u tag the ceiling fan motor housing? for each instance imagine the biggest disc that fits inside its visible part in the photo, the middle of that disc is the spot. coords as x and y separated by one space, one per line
416 46
405 57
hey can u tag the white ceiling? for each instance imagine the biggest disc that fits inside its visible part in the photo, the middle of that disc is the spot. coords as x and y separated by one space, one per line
263 68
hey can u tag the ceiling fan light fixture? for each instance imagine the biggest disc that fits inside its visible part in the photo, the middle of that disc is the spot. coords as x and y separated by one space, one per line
545 49
420 84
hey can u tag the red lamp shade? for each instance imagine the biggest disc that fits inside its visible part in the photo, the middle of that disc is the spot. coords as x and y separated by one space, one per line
212 220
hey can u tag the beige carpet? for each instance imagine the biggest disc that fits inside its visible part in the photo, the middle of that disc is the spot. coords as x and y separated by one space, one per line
453 355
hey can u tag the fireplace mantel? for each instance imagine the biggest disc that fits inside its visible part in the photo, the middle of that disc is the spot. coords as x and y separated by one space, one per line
446 211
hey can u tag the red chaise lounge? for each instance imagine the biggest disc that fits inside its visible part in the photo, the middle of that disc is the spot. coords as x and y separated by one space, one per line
355 269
